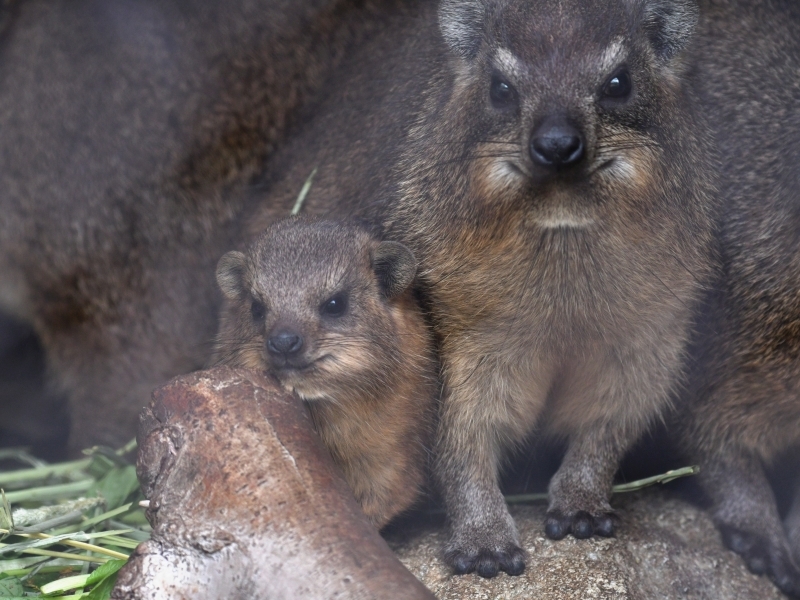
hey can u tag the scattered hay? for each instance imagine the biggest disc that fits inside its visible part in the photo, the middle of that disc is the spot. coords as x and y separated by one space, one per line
67 528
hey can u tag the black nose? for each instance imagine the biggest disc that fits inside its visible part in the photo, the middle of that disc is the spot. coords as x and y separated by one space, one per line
285 343
556 144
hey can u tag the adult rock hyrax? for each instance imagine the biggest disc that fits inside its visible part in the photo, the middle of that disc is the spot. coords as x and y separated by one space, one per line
742 410
329 311
546 164
129 129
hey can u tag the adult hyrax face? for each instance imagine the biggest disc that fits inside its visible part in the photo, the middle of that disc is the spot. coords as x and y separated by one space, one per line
567 100
313 304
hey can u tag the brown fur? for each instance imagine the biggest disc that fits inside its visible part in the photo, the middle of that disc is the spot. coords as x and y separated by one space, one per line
129 131
743 407
368 376
562 302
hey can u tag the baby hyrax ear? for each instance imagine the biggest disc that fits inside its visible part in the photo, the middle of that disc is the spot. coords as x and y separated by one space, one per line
462 23
230 274
670 24
395 267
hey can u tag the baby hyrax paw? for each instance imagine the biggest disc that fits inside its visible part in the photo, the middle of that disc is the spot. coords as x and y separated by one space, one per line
486 550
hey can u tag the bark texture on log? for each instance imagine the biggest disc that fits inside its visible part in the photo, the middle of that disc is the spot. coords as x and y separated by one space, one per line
245 502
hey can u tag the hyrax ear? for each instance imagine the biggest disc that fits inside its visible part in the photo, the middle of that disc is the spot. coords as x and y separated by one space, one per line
462 24
670 24
395 267
230 274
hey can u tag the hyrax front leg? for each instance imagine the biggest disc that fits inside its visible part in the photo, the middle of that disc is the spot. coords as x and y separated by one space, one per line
484 537
792 522
580 489
483 412
744 510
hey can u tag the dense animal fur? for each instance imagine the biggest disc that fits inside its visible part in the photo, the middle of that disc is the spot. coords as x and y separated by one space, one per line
128 129
365 366
743 407
562 297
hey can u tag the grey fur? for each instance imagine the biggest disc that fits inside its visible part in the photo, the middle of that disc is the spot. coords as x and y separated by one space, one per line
230 274
395 267
671 24
462 23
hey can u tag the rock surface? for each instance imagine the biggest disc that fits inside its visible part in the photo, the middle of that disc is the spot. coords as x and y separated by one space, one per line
665 549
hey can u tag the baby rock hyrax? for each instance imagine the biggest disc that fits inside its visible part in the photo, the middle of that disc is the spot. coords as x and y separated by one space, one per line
328 310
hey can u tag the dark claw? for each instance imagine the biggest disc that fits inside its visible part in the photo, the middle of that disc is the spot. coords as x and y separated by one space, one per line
736 541
460 563
757 564
582 525
487 565
513 563
604 525
556 526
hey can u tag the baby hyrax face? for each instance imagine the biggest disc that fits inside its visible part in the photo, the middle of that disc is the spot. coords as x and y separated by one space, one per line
314 303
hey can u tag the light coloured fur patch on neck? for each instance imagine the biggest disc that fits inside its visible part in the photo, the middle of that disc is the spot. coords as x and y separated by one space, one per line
565 221
311 394
559 215
508 64
612 55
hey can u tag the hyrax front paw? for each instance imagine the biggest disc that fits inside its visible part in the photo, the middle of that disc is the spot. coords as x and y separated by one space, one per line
763 555
485 550
579 511
580 524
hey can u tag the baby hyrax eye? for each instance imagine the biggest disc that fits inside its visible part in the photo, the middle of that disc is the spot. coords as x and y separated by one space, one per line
618 86
258 310
335 306
502 93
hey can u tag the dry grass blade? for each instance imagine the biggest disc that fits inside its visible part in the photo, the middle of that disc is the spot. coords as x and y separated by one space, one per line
621 488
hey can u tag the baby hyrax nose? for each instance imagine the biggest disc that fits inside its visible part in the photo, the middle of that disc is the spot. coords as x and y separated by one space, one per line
556 144
284 343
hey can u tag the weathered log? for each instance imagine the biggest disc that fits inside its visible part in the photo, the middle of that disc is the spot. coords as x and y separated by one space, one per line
245 502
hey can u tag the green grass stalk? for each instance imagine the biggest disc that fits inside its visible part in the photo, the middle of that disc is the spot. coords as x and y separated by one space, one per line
59 469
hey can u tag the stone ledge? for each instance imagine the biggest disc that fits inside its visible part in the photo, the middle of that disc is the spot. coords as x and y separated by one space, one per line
665 548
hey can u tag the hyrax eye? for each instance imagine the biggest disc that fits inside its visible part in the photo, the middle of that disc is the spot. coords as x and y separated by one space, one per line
501 93
334 306
618 85
258 310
